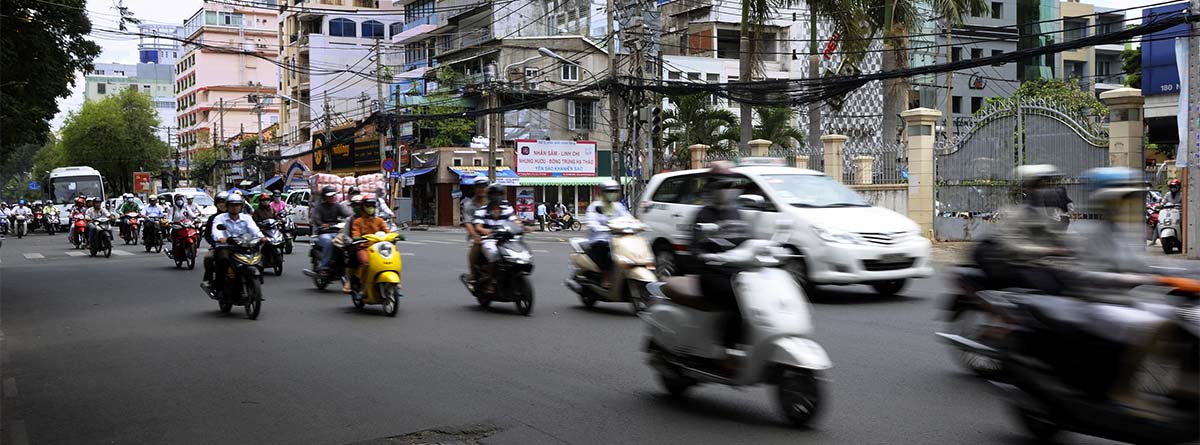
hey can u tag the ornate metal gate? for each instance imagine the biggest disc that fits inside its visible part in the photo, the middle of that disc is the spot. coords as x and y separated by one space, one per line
974 172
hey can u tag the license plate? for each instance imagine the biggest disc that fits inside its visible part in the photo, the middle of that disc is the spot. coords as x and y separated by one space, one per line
893 258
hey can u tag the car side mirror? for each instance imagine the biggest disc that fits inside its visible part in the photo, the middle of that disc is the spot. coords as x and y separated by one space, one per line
752 202
220 227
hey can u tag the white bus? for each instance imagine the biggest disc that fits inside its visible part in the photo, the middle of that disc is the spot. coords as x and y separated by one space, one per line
68 182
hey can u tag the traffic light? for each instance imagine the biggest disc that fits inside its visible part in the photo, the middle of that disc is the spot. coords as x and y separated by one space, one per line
656 121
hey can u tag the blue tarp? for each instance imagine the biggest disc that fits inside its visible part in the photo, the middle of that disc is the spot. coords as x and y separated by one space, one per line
417 172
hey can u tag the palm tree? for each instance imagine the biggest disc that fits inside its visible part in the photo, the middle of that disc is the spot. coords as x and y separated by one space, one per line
693 119
775 125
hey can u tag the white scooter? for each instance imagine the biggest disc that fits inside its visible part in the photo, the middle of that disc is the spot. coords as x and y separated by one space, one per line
1168 228
686 347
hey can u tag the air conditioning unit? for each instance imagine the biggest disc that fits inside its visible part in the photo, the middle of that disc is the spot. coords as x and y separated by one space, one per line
533 85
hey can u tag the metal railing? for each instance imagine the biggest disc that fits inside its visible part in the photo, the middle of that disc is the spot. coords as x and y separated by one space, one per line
869 162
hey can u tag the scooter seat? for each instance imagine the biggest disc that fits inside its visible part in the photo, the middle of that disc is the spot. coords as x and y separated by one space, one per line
686 291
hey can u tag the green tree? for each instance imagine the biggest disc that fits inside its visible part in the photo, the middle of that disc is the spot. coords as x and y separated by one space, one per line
48 157
44 46
693 119
1066 93
204 167
115 136
775 125
1131 64
442 131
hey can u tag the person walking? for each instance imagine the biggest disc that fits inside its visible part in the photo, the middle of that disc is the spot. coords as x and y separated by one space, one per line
541 215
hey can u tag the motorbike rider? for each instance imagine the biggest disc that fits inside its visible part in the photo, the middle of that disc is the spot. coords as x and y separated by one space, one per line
191 207
598 214
152 212
97 211
22 208
80 205
720 195
1015 254
263 212
128 205
474 196
207 233
323 217
364 222
5 212
236 223
1174 195
488 218
277 205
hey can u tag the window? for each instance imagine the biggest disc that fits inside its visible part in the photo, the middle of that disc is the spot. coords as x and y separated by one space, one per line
341 28
101 88
570 72
372 29
712 77
976 104
532 73
976 53
955 54
693 76
1074 29
581 114
670 190
457 162
671 75
997 10
997 53
477 162
956 104
395 28
100 72
499 162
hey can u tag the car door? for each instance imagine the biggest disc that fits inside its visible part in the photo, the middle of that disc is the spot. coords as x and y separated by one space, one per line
673 206
761 219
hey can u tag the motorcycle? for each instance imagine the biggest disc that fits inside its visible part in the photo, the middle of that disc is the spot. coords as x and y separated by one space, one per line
384 265
36 221
21 225
1168 228
632 259
130 223
273 250
50 222
243 280
152 234
289 231
565 222
78 230
966 319
337 267
3 225
511 282
104 237
184 241
1057 366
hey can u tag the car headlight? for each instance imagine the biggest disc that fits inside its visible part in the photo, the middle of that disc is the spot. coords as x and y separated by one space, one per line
835 235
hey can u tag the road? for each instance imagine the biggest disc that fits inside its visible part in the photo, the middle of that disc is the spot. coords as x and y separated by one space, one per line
128 350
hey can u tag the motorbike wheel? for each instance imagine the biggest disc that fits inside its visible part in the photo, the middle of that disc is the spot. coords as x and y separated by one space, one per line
253 295
672 379
639 297
799 395
524 293
1167 245
586 298
389 293
108 249
1038 425
665 261
224 307
484 302
576 226
553 226
287 247
189 253
968 322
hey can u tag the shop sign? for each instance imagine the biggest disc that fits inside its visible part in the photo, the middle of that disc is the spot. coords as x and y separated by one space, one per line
555 158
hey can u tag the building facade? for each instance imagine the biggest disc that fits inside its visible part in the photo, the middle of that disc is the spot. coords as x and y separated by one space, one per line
219 92
1096 68
152 75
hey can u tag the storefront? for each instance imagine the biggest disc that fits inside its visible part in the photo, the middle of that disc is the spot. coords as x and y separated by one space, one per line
575 192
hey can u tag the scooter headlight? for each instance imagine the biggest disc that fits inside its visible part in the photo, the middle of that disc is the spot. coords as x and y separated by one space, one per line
519 256
385 249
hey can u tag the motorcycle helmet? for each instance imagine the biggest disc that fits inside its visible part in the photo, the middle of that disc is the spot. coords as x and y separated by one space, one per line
369 203
1031 175
128 196
1118 192
234 198
328 191
264 196
78 200
20 202
1174 185
495 193
222 196
277 194
152 199
353 191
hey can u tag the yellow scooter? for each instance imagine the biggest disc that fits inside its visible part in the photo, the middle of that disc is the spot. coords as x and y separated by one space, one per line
382 284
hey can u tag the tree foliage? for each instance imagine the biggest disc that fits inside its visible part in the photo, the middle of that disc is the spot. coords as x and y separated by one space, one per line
1131 64
44 46
115 136
693 119
452 132
48 157
775 125
1066 93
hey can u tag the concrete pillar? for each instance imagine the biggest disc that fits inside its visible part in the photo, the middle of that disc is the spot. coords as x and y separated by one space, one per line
802 161
759 147
699 153
1125 127
833 144
919 124
864 167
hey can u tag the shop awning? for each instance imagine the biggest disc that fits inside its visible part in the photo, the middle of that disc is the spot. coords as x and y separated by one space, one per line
569 180
275 183
504 175
417 172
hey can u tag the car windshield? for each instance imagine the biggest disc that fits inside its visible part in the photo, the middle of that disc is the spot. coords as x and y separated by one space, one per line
202 200
813 191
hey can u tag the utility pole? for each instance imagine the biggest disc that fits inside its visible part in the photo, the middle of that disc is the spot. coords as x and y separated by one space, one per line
221 138
328 139
380 129
175 179
814 67
949 112
495 121
618 152
1192 191
258 112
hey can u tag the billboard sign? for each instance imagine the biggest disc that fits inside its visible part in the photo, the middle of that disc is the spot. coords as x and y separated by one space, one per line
1159 74
555 158
141 182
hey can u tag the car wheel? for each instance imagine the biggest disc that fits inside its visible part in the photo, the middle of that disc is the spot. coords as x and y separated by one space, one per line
889 288
799 271
665 266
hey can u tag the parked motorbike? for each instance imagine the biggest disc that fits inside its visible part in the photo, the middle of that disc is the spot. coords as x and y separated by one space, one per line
185 239
384 265
511 283
289 230
686 348
1168 228
152 234
243 280
21 225
565 222
632 259
130 223
337 268
78 230
273 249
104 237
1058 366
50 222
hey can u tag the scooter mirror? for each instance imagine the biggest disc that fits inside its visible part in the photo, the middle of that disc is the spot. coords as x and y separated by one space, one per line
751 202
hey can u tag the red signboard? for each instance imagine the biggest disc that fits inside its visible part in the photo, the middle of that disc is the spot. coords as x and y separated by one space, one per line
831 46
141 182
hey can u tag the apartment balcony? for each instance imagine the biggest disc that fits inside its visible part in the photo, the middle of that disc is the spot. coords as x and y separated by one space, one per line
416 64
417 28
464 40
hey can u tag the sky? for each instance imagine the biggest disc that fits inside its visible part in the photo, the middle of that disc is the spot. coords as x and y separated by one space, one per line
103 15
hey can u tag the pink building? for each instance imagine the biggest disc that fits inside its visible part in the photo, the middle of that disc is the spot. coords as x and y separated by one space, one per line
215 89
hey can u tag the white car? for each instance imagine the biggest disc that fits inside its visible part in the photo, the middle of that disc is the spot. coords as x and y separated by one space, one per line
298 204
208 207
841 239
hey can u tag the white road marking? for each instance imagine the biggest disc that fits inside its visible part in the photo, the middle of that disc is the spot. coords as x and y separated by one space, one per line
10 387
76 253
407 254
540 251
440 242
122 252
34 256
411 242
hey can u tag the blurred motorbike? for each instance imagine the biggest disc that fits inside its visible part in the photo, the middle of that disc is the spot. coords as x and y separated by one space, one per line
511 281
632 259
273 249
1168 228
243 282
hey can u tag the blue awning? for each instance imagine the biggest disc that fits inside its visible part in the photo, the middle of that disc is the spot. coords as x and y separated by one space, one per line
504 175
417 172
273 183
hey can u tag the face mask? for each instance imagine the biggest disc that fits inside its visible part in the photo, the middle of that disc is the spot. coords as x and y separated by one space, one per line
612 196
369 210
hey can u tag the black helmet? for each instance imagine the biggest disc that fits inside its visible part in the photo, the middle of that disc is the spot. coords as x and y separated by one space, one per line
328 191
495 192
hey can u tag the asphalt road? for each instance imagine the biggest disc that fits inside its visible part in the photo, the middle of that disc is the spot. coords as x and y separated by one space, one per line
128 350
